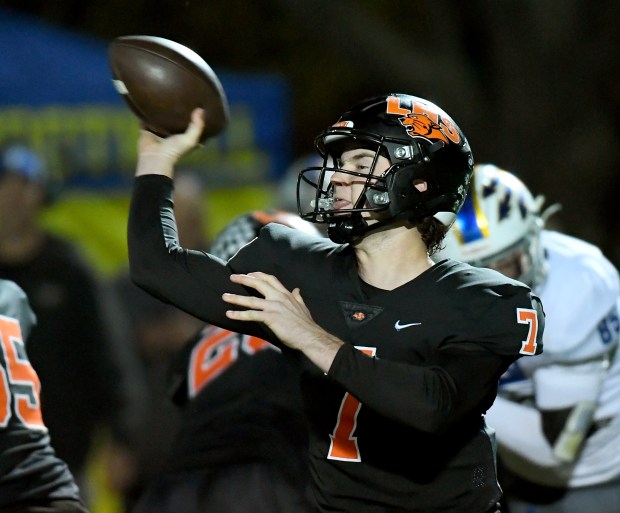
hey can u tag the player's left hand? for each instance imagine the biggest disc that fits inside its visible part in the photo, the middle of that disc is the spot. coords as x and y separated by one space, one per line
286 315
283 311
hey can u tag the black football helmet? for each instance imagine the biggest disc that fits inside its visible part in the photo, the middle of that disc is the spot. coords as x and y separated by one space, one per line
421 142
244 228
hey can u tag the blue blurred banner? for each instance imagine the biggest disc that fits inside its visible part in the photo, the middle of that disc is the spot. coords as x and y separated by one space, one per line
56 95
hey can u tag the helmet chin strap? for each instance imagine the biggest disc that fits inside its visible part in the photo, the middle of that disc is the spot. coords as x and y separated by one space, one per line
347 230
352 228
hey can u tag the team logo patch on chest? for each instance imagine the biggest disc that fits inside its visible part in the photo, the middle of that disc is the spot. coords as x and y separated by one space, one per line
357 315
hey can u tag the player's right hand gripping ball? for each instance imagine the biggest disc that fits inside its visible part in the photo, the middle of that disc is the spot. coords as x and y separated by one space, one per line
163 82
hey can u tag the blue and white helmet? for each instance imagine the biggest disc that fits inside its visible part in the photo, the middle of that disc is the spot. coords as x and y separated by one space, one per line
499 220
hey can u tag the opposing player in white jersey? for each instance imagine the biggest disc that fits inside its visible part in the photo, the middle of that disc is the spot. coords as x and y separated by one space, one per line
556 415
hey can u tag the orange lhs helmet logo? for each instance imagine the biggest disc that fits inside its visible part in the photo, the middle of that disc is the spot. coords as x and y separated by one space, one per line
422 119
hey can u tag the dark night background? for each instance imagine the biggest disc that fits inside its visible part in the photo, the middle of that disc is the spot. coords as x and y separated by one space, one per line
533 84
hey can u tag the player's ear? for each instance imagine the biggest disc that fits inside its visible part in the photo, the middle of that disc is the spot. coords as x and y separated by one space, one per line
420 184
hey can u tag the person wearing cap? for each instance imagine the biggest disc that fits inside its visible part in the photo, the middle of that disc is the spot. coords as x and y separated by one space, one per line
81 379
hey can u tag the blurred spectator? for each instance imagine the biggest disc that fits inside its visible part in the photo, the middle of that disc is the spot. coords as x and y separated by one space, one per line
157 332
83 381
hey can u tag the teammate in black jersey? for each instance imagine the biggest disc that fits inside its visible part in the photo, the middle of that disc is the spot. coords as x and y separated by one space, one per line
242 444
32 478
399 358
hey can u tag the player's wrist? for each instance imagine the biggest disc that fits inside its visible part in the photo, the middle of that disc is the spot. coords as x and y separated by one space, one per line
153 163
321 348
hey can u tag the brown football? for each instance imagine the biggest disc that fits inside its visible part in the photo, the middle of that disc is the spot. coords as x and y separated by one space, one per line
163 81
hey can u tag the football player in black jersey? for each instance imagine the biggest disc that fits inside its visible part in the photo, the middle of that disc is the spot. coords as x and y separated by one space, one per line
242 444
399 357
32 478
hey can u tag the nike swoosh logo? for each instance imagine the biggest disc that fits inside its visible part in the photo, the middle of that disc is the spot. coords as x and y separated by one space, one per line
398 326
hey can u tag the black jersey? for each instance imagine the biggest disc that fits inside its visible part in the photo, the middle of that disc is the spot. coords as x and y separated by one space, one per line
69 347
30 472
240 402
397 424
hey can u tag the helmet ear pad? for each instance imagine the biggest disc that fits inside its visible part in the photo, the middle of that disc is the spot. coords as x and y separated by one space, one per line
406 201
404 196
445 192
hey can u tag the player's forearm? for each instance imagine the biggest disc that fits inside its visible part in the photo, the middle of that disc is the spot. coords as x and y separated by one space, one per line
145 239
156 261
406 393
191 280
431 398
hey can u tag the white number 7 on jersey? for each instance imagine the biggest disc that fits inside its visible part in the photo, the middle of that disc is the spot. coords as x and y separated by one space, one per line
343 444
528 316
